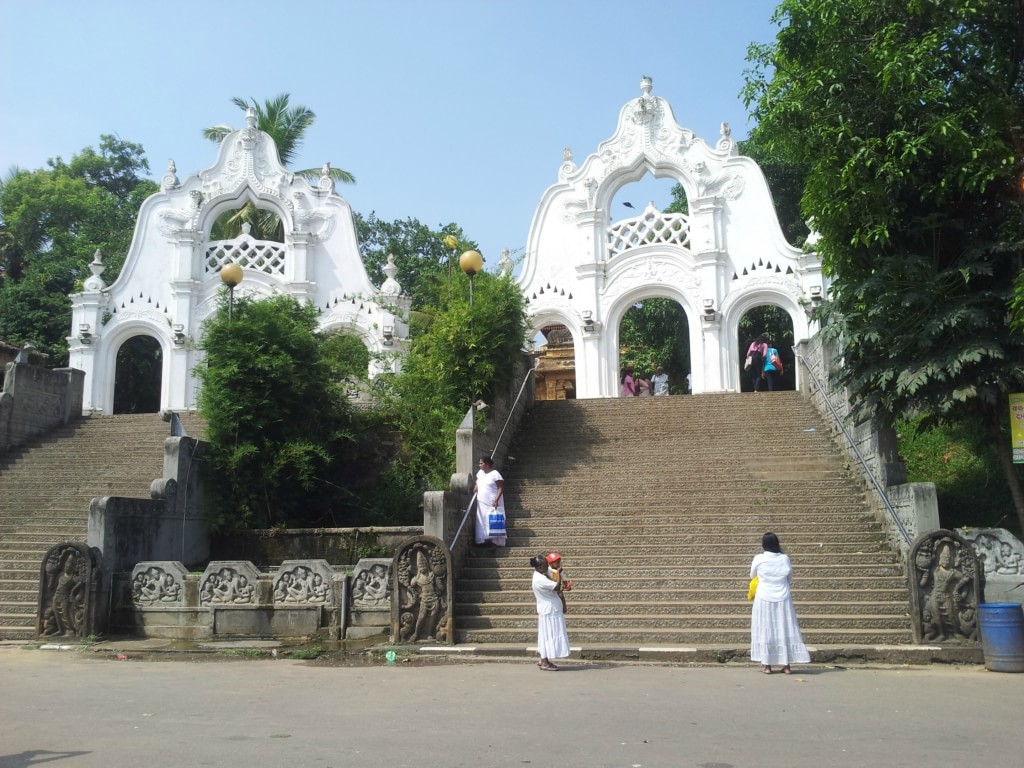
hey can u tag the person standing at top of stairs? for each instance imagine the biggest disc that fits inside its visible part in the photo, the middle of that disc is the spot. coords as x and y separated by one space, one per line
490 505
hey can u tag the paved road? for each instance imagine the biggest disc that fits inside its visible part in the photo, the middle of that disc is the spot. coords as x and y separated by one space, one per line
73 710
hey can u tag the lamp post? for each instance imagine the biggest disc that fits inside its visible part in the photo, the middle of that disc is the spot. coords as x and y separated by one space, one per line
451 242
471 262
231 275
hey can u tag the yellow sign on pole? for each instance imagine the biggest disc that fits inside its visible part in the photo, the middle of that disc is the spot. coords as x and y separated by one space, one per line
1017 426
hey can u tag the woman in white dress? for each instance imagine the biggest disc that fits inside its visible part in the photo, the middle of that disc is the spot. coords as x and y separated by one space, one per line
490 497
774 632
552 636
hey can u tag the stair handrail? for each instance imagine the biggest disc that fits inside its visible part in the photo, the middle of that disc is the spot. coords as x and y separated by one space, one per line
462 524
856 451
511 411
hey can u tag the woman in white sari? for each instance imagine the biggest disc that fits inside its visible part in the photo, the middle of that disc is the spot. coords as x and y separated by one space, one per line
490 498
774 632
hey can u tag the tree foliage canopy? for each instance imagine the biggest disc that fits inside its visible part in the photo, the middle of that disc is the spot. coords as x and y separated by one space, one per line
907 117
463 353
52 220
279 423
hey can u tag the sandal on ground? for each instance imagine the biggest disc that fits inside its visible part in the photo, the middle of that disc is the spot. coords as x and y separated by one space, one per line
766 669
549 667
786 670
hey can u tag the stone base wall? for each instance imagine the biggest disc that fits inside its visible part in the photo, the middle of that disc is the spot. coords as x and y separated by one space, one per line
35 400
335 545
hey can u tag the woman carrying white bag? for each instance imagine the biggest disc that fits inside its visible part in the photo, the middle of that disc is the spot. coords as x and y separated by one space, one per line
490 505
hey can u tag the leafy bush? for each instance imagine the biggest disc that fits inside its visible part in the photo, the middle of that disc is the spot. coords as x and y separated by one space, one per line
278 421
961 460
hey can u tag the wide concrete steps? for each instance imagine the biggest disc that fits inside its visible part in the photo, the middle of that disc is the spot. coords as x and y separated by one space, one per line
45 490
658 505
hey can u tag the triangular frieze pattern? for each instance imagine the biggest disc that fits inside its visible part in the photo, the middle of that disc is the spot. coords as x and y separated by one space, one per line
652 227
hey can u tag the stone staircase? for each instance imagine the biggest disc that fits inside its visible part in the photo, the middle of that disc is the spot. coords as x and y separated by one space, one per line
657 506
45 489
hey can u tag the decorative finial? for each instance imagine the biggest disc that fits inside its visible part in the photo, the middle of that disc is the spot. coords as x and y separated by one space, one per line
250 118
567 155
645 86
391 286
170 179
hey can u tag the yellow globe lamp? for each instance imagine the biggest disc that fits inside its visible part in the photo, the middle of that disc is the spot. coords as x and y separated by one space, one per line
231 274
471 262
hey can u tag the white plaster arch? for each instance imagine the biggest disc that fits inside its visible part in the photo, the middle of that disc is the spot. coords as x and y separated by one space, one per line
149 326
781 296
172 266
707 260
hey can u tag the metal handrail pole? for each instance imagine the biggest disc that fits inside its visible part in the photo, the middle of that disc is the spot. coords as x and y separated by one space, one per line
856 451
497 442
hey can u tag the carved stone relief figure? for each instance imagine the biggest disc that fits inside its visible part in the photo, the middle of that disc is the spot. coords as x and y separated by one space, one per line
945 583
66 588
229 583
422 610
371 586
305 581
154 585
999 552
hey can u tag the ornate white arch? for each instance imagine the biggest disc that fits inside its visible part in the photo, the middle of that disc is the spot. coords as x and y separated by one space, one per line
172 269
728 248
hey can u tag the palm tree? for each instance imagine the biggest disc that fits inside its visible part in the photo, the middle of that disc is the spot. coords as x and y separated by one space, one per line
286 125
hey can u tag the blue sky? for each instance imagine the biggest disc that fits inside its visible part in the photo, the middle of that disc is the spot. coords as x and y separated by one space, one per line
444 110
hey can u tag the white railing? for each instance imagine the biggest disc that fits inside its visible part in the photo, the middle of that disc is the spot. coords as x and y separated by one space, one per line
652 227
247 252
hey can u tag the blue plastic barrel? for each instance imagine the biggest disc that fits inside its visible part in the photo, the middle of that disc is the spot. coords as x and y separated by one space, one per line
1002 636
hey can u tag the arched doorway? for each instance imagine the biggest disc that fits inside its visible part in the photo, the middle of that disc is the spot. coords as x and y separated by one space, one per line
138 376
777 327
653 333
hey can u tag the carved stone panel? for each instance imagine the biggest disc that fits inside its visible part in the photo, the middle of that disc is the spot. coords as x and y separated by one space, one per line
422 603
999 552
68 582
371 583
945 583
229 582
305 582
158 583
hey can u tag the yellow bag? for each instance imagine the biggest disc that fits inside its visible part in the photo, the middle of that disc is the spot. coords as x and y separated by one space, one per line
752 589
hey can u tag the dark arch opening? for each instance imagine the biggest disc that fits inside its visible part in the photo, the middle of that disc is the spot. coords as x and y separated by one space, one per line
656 332
777 327
138 376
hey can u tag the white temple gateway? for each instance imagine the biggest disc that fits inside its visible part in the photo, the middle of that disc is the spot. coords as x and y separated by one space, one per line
170 280
582 269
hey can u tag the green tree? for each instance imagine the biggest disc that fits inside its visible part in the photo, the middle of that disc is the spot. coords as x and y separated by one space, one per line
287 126
907 117
655 333
465 353
425 264
279 424
52 220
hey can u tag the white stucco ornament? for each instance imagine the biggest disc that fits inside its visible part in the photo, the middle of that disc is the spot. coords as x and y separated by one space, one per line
170 280
725 256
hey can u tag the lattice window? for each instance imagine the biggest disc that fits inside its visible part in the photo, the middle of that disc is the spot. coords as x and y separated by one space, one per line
652 227
248 253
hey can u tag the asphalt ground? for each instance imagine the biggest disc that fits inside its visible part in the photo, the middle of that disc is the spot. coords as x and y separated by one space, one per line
76 708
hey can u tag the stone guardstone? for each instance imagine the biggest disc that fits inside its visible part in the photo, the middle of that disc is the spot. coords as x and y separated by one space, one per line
945 587
229 582
68 583
422 604
158 584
